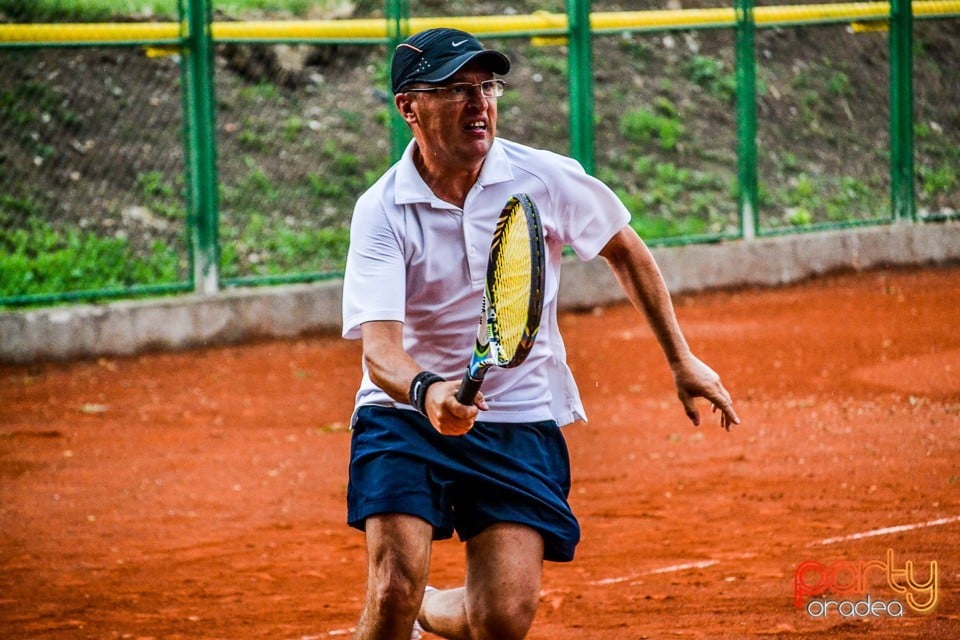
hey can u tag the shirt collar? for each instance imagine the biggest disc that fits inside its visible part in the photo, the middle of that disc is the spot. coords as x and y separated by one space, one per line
411 188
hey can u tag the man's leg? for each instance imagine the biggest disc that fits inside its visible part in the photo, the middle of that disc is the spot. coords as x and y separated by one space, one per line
398 563
502 591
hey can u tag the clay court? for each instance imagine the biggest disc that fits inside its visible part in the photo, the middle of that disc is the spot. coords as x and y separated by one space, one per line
201 494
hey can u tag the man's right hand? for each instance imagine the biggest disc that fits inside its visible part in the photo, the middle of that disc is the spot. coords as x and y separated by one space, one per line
447 414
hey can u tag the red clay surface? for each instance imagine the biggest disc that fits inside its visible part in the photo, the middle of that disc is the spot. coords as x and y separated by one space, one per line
201 494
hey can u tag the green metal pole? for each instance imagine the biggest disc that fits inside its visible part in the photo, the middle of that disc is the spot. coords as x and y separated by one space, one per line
580 82
901 111
200 146
746 120
398 15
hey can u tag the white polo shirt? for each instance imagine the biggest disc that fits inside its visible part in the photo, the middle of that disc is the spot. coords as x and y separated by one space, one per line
419 260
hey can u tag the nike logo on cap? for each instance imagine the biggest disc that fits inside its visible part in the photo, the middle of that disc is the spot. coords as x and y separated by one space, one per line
457 43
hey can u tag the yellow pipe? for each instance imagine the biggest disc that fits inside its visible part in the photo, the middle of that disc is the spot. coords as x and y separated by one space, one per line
657 19
299 29
376 29
936 8
89 33
817 12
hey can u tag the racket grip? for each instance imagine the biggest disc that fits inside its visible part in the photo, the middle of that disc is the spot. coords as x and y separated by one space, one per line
469 388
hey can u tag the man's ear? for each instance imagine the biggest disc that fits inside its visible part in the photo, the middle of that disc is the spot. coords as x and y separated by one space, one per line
405 107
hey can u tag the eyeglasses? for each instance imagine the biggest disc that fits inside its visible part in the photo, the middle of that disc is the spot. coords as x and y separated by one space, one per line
463 91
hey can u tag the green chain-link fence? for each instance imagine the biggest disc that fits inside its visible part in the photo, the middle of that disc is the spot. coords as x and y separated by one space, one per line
145 157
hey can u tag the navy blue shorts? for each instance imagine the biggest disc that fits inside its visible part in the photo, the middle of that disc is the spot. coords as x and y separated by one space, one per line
497 472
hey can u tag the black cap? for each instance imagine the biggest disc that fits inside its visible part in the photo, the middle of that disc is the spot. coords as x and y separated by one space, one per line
436 54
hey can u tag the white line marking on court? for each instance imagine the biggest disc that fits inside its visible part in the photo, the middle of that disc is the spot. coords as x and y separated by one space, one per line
703 564
887 530
330 634
615 580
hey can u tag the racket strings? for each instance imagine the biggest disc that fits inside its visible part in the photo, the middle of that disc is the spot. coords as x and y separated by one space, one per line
510 295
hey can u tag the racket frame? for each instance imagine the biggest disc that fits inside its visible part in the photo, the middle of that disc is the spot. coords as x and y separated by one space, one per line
487 350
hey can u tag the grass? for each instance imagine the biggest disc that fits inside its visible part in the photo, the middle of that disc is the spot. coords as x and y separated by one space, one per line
38 259
166 199
806 199
644 125
712 75
256 241
937 180
264 247
666 200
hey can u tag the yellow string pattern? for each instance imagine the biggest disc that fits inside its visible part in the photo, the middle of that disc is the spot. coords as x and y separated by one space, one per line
510 294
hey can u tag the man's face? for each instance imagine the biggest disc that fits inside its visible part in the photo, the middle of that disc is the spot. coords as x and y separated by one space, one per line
454 134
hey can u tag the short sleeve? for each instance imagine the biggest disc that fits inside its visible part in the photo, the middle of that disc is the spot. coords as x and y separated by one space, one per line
589 212
374 284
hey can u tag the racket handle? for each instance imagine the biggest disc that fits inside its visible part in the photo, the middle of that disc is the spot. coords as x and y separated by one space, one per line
469 388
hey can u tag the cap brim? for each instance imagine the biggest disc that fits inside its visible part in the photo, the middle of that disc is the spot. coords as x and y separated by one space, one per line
495 61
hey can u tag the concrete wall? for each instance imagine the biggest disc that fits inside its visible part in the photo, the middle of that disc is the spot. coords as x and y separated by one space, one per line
124 328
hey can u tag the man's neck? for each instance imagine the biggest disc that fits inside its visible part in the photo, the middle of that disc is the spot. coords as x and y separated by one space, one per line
449 184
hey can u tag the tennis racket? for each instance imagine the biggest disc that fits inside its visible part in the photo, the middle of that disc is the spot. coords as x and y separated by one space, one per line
512 297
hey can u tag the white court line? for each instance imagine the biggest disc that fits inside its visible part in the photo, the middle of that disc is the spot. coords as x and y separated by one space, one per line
853 536
887 530
330 634
703 564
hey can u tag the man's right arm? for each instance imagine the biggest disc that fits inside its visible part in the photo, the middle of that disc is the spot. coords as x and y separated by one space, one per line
392 369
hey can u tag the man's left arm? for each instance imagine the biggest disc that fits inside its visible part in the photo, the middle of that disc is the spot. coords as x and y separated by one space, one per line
641 280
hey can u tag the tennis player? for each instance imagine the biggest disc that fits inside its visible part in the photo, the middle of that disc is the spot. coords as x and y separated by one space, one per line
422 465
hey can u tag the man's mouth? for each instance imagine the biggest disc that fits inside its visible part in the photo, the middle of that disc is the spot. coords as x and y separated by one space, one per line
476 125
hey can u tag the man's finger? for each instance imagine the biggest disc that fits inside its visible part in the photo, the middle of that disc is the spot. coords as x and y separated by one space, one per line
728 417
721 401
690 407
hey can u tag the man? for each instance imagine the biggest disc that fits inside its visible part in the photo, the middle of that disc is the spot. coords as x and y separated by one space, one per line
422 464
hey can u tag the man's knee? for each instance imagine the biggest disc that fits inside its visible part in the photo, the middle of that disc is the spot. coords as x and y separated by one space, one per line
506 620
399 561
396 590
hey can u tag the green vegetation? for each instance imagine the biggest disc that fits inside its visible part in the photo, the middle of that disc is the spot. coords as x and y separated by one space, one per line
257 242
38 259
806 199
264 247
839 84
644 125
548 62
712 75
163 198
668 201
942 179
93 190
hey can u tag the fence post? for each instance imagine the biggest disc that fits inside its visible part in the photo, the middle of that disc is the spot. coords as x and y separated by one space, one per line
746 120
398 15
200 148
580 82
901 111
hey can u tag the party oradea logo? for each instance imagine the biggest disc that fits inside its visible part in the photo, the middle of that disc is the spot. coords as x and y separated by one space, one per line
866 588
